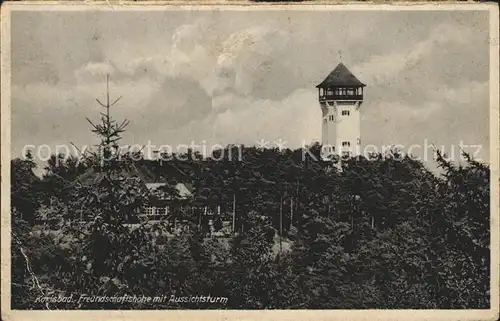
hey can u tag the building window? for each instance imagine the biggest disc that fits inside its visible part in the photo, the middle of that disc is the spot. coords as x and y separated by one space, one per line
345 113
161 211
350 91
150 210
359 141
348 144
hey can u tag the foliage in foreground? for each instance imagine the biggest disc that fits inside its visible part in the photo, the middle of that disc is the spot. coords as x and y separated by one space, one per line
383 233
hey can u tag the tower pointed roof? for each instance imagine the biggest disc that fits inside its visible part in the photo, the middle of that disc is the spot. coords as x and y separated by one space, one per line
341 76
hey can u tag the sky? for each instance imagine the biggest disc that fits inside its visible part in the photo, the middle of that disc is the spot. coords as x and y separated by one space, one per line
220 77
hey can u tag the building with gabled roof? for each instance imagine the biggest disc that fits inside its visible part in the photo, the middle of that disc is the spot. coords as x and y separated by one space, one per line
167 200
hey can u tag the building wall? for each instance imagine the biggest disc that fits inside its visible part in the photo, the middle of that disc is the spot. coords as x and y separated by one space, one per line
341 123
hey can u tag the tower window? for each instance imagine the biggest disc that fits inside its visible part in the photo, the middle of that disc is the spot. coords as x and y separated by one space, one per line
346 144
345 113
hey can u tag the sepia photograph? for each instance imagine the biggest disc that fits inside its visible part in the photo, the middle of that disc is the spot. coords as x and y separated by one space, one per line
288 157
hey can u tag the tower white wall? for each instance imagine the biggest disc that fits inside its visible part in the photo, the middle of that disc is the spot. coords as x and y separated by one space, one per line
341 127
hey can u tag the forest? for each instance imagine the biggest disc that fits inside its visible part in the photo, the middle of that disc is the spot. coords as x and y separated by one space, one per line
383 232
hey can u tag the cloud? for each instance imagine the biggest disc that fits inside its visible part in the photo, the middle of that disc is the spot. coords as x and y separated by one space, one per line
386 68
93 72
44 114
204 81
175 103
454 116
294 119
189 53
241 60
468 94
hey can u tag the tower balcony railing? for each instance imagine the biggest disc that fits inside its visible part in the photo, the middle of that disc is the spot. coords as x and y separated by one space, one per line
340 97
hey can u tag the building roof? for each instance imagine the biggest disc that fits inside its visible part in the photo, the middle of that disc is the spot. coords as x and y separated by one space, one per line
183 190
180 187
135 171
91 176
152 186
339 77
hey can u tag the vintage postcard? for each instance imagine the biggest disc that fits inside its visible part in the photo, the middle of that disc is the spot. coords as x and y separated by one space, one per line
278 162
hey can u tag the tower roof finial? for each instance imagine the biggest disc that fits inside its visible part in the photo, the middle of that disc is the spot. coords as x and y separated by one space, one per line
340 55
